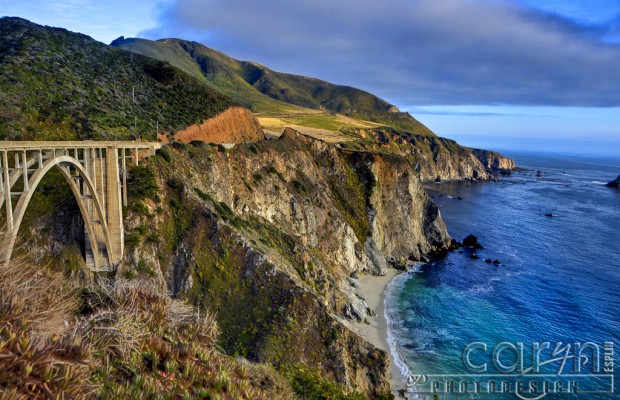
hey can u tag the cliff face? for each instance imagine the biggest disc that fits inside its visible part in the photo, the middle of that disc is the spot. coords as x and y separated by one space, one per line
235 125
270 235
405 223
493 160
435 157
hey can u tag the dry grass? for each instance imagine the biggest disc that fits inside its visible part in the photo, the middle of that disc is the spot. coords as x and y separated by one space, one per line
39 298
318 125
124 339
123 313
38 359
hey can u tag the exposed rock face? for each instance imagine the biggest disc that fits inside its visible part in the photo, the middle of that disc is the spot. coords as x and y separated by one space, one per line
493 160
615 183
235 125
269 234
446 160
438 159
405 223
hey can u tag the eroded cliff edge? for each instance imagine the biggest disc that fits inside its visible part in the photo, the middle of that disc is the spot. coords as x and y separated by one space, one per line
272 236
234 125
435 158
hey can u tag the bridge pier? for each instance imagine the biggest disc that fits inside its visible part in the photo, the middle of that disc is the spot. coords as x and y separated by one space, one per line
96 174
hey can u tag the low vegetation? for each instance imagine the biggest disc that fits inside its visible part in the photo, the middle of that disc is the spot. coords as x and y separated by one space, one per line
114 340
59 85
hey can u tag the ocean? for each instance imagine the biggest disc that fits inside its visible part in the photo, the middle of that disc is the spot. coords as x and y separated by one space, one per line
554 295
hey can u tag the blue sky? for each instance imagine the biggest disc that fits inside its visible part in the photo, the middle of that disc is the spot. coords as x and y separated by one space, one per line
542 74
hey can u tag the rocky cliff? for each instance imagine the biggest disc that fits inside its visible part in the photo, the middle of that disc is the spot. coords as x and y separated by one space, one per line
273 235
234 125
435 158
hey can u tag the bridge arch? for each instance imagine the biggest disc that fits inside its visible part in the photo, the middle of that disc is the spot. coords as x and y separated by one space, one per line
63 163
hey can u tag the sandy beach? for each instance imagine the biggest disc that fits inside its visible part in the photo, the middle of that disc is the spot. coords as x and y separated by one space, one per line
373 288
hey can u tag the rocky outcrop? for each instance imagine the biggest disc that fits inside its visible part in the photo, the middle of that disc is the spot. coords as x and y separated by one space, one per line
235 125
615 183
437 159
494 161
272 235
405 223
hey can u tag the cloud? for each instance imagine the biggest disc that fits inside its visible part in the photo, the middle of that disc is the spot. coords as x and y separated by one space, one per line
414 52
422 111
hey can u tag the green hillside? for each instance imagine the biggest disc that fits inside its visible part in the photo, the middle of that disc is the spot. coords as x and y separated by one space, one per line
273 93
216 69
56 84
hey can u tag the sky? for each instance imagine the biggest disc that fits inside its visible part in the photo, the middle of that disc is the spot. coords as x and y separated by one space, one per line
501 74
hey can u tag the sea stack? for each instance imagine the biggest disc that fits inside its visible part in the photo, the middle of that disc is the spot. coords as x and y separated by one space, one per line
615 183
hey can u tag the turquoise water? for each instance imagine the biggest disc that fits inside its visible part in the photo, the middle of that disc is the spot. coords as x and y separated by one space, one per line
558 281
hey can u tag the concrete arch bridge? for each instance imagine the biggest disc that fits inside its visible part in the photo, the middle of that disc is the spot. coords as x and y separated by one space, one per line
96 172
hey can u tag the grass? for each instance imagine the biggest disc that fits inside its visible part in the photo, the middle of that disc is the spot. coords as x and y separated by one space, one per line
122 339
309 384
216 70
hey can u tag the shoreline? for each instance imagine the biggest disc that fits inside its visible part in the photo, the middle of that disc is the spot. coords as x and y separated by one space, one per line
376 331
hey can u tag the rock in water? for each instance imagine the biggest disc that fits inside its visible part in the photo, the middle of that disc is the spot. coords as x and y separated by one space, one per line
470 241
615 183
455 245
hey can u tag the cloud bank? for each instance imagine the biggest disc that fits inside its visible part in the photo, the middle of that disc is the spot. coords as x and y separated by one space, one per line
415 52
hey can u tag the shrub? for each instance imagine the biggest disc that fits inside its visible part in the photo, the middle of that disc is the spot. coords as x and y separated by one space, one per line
38 359
174 203
164 152
174 183
133 239
309 384
198 143
141 182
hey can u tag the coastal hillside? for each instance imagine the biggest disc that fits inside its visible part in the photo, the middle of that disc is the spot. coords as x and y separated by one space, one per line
357 120
272 237
60 85
435 158
274 93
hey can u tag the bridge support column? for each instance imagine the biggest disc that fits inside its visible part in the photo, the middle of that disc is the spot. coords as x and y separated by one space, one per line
7 193
114 204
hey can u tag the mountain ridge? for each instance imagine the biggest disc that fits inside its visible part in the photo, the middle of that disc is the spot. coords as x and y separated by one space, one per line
354 118
266 91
